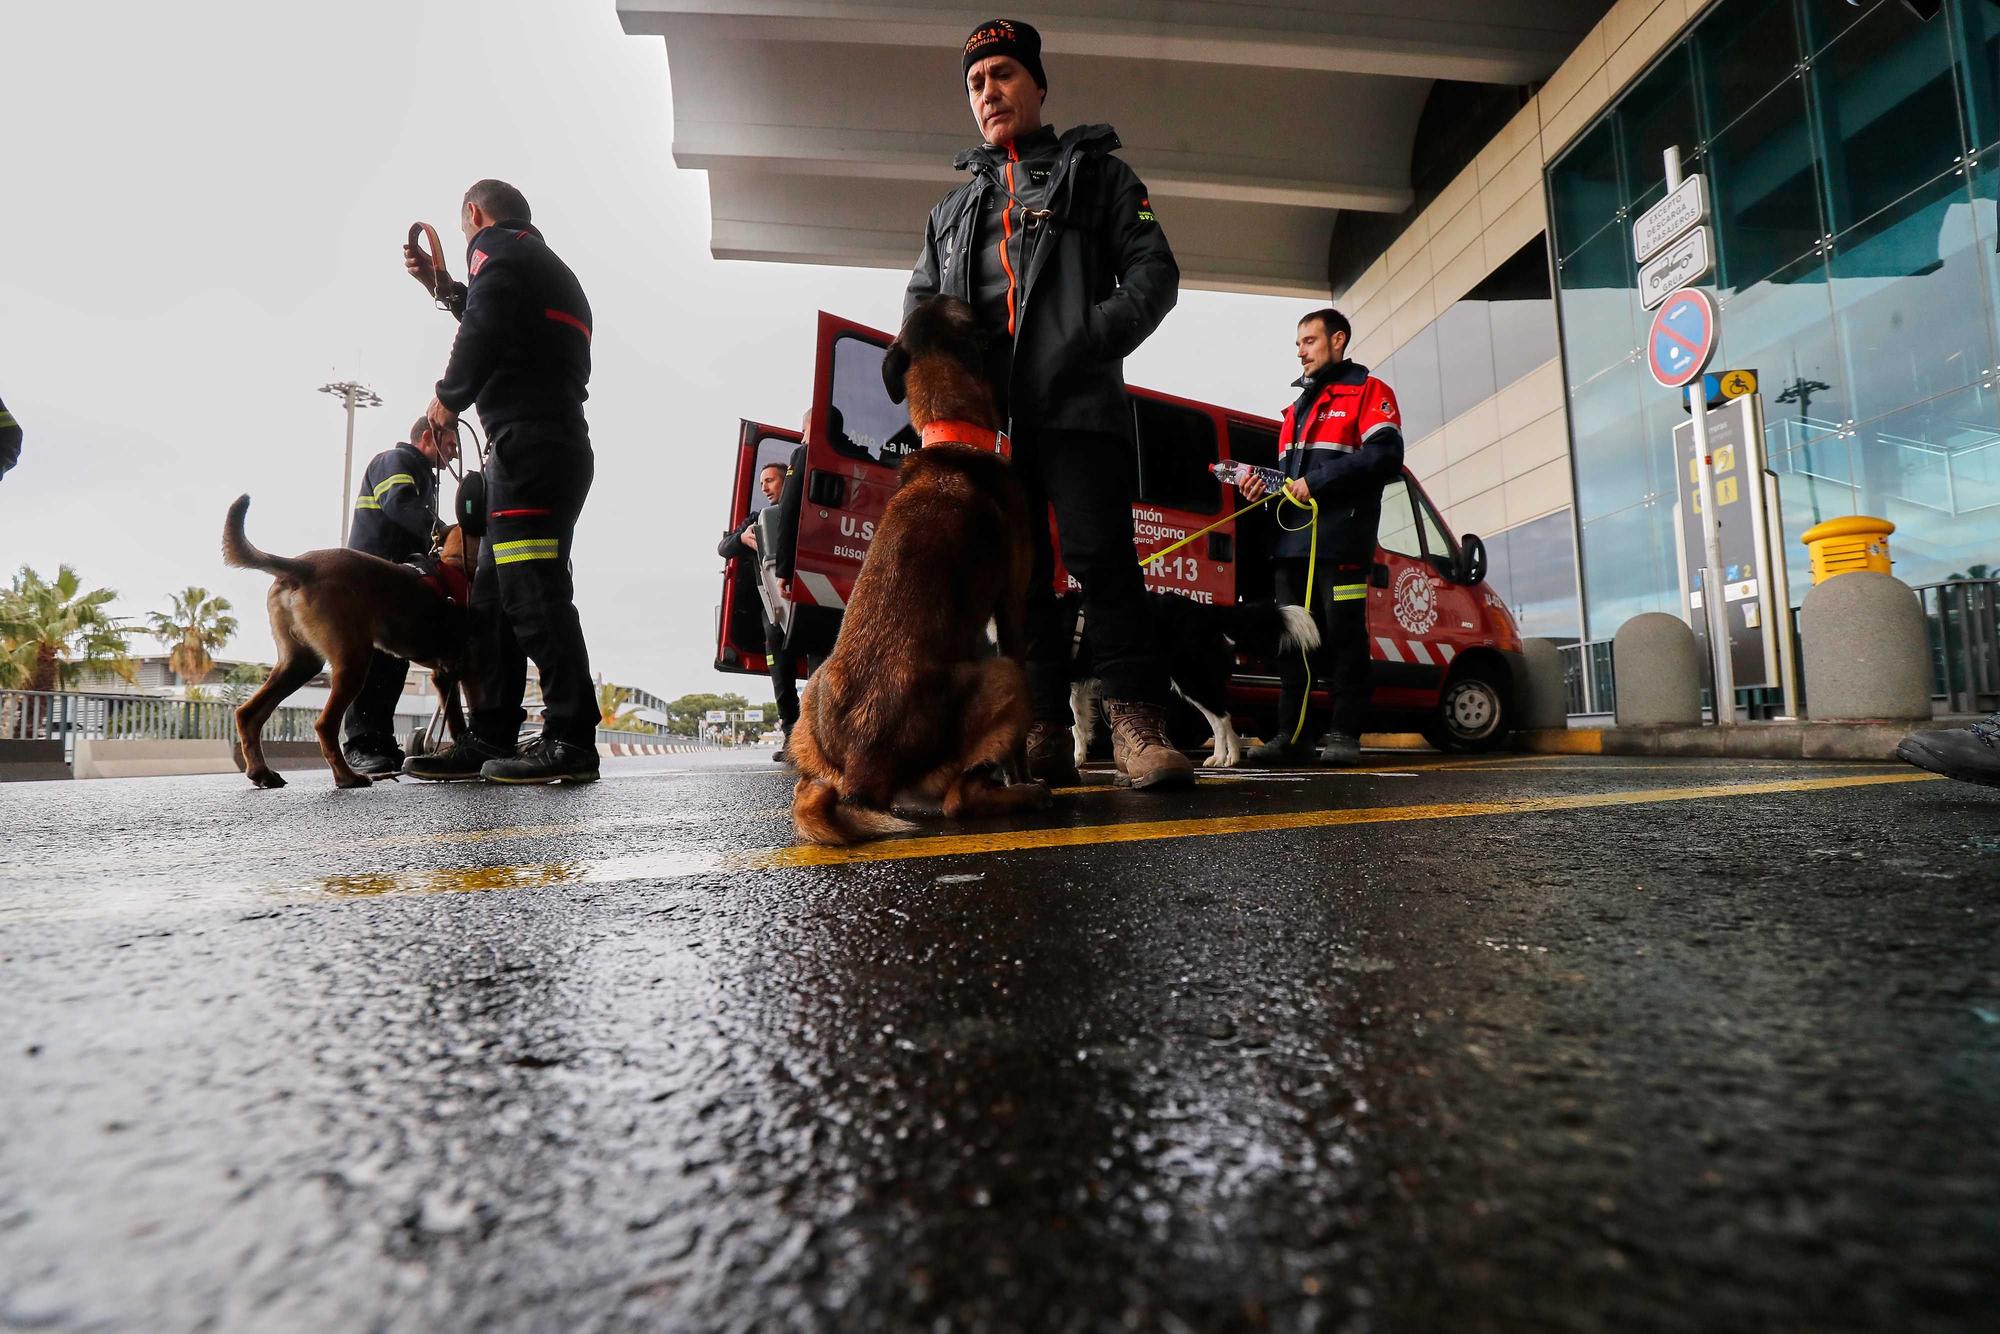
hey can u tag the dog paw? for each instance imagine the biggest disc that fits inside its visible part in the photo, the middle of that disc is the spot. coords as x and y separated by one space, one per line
267 778
353 780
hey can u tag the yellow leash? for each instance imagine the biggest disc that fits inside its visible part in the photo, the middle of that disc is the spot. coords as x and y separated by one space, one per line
1311 507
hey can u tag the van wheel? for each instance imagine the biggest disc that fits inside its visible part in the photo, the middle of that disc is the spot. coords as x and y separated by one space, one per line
1472 715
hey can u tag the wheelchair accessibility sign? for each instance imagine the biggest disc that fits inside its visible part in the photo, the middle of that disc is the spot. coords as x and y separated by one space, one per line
1682 339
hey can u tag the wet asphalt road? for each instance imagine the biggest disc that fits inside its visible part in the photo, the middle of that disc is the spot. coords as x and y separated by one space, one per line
1512 1044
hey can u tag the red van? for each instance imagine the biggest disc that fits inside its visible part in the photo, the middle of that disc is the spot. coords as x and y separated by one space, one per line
1446 652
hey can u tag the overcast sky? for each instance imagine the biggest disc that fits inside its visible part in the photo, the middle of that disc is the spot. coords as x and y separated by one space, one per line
201 206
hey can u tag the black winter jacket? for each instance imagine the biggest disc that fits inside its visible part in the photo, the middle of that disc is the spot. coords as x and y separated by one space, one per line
523 346
396 505
1099 278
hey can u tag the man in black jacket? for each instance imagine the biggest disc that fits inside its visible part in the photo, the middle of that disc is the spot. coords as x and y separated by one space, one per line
740 544
394 514
1055 243
522 357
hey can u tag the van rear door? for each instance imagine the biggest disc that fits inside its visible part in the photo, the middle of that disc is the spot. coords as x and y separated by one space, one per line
856 441
739 617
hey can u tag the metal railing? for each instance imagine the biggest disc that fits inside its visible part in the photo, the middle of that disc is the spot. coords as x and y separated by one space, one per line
70 716
1963 620
1587 677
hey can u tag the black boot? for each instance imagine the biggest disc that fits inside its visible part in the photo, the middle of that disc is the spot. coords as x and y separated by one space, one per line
1969 754
374 757
1340 750
460 762
545 760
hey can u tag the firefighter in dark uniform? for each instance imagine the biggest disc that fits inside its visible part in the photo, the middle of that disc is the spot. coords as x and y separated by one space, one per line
395 513
1055 244
1341 443
522 357
10 440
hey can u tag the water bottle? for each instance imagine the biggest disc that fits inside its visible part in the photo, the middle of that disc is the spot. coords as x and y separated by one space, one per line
1231 472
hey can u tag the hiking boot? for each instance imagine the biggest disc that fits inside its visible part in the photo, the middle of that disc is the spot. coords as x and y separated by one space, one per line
459 762
1969 754
545 760
1052 755
374 761
1339 749
1139 745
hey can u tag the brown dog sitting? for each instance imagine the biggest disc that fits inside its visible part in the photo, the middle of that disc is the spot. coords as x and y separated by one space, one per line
333 607
911 706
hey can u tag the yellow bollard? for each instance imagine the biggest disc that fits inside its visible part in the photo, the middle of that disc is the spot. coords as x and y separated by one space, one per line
1839 546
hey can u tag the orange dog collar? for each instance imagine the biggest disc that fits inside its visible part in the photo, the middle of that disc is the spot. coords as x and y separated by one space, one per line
965 433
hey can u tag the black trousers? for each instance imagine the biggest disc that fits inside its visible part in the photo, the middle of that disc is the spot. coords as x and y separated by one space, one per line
1340 609
371 718
1088 478
784 664
523 596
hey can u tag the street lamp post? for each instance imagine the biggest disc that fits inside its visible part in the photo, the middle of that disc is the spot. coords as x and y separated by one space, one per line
352 396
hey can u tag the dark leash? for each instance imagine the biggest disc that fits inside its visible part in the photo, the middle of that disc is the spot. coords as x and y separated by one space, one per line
439 275
469 505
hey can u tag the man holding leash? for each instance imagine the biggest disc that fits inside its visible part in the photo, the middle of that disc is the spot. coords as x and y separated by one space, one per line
395 513
1055 244
522 357
1341 443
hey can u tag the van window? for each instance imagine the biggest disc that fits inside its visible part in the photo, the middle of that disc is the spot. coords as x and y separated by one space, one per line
1435 542
1398 531
862 423
1176 447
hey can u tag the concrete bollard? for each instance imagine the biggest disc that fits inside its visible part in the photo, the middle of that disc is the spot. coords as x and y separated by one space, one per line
1543 698
1865 649
1656 669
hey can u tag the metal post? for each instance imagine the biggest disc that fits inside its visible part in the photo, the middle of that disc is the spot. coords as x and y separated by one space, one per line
1713 603
347 468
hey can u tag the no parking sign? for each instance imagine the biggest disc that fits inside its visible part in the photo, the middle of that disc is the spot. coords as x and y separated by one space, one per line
1682 339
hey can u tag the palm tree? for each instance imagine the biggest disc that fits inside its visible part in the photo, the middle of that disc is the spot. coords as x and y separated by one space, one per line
609 698
196 624
51 633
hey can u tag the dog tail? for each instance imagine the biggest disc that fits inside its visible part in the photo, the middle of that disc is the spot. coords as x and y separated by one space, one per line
1300 631
237 551
821 817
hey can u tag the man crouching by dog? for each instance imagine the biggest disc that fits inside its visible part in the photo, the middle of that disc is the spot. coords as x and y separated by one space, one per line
522 356
395 514
1054 244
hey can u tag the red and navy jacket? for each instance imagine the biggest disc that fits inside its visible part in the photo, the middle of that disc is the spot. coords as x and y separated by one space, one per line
1344 436
396 505
523 346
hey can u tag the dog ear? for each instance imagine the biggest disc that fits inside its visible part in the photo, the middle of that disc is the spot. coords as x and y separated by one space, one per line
895 366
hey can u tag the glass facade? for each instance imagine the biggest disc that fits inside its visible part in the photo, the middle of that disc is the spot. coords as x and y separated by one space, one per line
1532 566
1852 153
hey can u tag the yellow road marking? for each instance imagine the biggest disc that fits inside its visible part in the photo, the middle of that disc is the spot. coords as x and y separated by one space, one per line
954 845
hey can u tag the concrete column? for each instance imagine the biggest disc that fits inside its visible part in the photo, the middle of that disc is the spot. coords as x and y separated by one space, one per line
1656 668
1543 700
1865 649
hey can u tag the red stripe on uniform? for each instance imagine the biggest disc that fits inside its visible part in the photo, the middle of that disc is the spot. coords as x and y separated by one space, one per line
564 317
520 514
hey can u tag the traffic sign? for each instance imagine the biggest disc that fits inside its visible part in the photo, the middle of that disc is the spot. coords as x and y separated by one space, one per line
1687 260
1736 384
753 715
1685 206
718 715
1682 338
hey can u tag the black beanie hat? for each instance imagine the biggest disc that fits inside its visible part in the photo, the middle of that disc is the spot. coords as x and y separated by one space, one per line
1005 37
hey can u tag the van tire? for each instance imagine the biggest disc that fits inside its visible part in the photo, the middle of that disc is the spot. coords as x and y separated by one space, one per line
1474 713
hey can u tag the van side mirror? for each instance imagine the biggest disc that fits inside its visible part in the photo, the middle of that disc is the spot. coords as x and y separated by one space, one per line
1471 560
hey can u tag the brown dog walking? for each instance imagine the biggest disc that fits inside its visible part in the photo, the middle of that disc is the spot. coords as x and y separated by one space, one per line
911 706
334 608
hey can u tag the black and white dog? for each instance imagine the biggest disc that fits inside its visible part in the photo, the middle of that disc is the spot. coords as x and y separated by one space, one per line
1200 642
